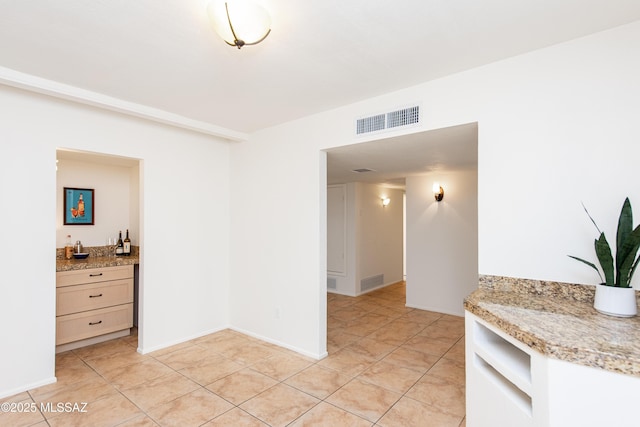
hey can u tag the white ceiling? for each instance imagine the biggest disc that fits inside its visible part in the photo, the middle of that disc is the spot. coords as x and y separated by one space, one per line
320 54
393 159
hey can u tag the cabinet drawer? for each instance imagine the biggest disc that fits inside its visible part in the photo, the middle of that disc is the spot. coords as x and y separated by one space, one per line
74 299
73 327
93 275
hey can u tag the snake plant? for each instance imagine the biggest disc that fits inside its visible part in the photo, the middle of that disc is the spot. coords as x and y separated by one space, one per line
627 245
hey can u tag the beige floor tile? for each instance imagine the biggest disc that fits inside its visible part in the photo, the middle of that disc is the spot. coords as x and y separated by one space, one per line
324 415
173 348
347 362
371 349
66 358
367 400
412 359
349 313
211 369
436 347
139 421
389 334
192 409
422 316
83 391
440 330
184 357
109 362
73 371
391 376
281 366
235 418
21 411
339 338
248 353
69 374
132 375
222 341
445 396
279 405
102 349
159 390
411 413
241 385
457 352
448 369
318 381
110 411
390 312
406 327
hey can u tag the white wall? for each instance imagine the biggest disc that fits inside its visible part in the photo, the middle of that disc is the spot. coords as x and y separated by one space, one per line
373 238
555 127
184 235
112 187
378 234
442 241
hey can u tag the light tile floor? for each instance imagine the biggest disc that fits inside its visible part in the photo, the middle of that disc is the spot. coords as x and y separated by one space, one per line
388 366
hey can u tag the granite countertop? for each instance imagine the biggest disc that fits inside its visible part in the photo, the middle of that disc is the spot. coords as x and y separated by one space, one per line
95 262
98 258
558 320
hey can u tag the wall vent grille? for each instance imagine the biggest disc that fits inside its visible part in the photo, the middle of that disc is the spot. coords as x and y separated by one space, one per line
408 116
404 117
370 124
371 282
332 283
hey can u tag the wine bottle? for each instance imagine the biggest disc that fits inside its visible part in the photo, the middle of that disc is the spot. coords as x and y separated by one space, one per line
127 245
68 248
120 245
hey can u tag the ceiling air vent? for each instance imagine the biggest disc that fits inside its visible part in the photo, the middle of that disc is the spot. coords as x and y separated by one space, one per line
393 119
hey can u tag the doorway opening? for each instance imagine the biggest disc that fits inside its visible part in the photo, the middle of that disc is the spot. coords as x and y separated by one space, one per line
116 184
438 252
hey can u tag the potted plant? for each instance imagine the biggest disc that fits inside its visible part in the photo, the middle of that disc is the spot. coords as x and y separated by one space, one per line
615 295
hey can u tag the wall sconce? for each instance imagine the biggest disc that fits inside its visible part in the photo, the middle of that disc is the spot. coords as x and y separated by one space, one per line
438 192
385 201
239 23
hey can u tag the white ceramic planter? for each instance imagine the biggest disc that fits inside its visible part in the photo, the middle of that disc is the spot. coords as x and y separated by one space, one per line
619 302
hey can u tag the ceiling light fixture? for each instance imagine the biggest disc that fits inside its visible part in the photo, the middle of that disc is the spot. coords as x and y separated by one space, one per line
239 23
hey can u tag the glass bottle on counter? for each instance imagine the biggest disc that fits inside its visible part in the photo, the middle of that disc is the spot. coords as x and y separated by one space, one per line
120 245
127 245
68 248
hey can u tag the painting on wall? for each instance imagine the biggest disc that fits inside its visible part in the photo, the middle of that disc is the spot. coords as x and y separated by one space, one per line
79 205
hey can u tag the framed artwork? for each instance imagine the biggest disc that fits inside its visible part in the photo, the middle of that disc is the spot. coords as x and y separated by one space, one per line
79 206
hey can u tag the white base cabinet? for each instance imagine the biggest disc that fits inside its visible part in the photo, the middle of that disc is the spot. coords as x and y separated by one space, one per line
92 303
509 384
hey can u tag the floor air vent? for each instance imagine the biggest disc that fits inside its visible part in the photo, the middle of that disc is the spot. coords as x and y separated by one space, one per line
371 282
393 119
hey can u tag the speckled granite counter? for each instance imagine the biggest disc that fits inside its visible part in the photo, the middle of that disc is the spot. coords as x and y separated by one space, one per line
558 320
97 259
94 262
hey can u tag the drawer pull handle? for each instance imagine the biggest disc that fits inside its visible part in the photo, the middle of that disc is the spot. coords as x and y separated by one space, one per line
95 296
95 275
95 323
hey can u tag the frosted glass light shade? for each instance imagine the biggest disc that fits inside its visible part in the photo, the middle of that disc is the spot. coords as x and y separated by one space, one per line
239 22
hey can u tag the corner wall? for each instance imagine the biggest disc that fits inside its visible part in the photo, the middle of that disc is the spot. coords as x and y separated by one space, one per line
442 241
